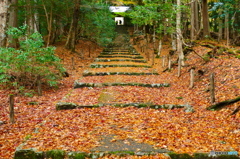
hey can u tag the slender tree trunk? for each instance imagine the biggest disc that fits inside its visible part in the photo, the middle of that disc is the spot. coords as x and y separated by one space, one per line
220 27
154 37
31 22
4 5
196 15
49 18
205 18
194 20
193 29
13 22
179 34
226 30
70 44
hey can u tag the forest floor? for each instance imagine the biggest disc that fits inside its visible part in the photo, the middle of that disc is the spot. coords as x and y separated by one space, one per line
39 125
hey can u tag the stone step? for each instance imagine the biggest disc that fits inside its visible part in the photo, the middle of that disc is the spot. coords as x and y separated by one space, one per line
119 53
66 106
105 66
117 73
155 85
61 154
118 60
133 57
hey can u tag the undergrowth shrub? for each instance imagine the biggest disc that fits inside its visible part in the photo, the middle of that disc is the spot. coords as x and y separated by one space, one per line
19 68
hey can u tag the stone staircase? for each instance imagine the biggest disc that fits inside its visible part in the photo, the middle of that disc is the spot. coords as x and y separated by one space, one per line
119 77
111 79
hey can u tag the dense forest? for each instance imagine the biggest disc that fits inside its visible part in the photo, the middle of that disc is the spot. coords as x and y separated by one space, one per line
182 22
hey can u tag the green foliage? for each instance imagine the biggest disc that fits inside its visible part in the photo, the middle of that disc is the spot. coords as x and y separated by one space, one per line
20 67
219 10
97 24
155 13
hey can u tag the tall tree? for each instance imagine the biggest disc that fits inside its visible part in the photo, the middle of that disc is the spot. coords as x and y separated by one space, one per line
70 44
13 22
194 19
4 6
205 18
179 34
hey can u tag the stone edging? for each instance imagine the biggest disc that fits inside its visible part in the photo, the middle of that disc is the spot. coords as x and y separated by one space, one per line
155 85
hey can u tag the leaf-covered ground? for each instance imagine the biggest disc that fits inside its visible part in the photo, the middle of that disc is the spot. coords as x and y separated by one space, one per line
83 129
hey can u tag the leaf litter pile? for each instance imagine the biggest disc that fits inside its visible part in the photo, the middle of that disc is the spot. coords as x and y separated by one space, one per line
40 126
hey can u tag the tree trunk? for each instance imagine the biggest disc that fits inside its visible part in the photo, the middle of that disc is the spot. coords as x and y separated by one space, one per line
70 44
205 18
30 21
49 22
179 33
154 37
193 30
13 22
196 15
4 5
220 27
194 20
226 31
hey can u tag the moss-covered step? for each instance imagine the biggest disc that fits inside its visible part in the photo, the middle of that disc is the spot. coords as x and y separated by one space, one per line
116 50
118 60
155 85
173 155
117 73
118 53
66 106
104 66
133 57
61 154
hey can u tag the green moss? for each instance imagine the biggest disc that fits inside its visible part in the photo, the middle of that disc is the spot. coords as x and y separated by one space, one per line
28 154
33 103
133 57
117 73
180 156
65 106
55 154
200 155
127 60
179 97
142 105
27 137
77 155
122 153
105 66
